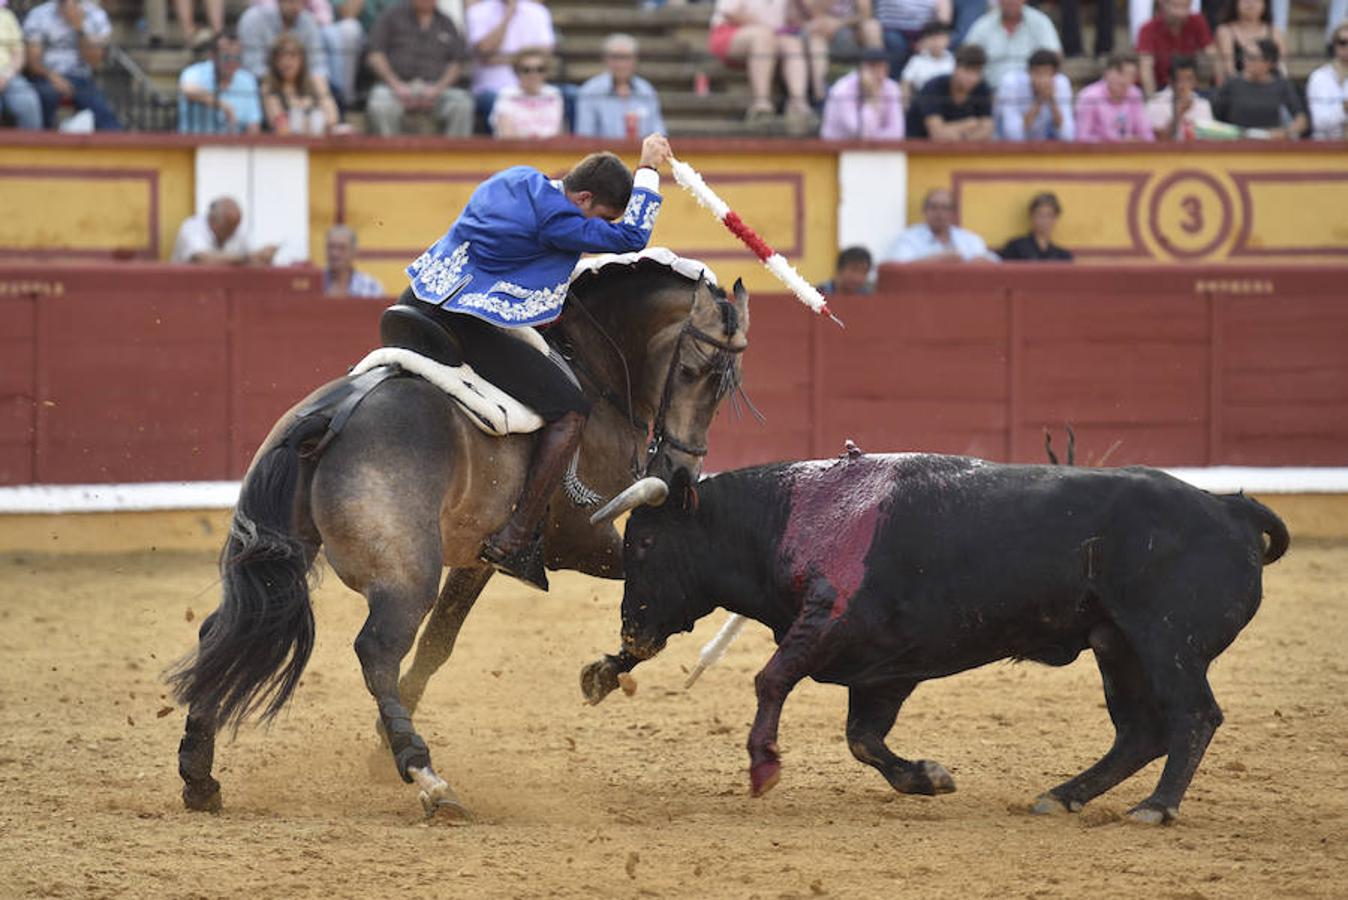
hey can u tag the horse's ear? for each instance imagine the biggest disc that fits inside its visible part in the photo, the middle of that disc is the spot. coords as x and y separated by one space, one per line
742 304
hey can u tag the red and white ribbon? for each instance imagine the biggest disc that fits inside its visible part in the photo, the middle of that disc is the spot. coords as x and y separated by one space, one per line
692 182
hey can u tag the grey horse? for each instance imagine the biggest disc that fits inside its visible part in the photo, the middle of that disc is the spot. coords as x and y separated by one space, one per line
411 486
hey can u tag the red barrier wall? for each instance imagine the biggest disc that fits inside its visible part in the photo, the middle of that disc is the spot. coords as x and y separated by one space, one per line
158 373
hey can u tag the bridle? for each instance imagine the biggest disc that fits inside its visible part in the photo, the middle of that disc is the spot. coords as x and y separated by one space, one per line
660 436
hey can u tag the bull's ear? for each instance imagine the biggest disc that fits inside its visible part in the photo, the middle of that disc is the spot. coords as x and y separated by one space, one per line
682 493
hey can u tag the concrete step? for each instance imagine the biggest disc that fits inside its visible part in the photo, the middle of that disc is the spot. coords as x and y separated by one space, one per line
662 47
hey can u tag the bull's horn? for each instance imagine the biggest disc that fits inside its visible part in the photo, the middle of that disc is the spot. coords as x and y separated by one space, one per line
649 491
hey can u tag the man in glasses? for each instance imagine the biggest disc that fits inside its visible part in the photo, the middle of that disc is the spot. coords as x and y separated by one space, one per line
218 95
618 103
939 239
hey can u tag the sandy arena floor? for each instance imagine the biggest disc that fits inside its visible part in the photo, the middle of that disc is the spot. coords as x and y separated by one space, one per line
645 796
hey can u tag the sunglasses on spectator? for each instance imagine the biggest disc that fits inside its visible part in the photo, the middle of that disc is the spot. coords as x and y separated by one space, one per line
531 70
1341 42
231 57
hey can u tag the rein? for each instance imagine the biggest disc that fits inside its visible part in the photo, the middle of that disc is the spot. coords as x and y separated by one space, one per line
661 437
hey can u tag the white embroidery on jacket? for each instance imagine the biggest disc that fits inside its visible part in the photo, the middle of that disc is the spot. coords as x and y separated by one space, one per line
439 273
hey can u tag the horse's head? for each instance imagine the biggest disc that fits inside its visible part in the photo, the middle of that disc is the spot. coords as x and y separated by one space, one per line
692 364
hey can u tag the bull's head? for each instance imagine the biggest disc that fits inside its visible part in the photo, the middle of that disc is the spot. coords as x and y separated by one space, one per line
663 550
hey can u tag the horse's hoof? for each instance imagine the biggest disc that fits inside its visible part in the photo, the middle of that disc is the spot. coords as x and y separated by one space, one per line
1148 813
764 777
202 796
937 776
443 806
1050 805
598 680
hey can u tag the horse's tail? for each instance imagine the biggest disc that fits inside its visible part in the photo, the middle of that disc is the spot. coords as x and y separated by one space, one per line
1266 520
254 647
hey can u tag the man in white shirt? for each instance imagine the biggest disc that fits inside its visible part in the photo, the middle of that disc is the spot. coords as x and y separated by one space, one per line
1327 91
215 239
939 239
1009 34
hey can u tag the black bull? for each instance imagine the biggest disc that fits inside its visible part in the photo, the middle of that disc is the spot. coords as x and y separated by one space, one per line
879 572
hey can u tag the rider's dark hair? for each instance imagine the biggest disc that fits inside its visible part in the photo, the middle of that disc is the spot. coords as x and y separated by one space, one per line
605 176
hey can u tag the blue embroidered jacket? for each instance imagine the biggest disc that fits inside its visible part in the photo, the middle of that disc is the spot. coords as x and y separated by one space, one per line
508 258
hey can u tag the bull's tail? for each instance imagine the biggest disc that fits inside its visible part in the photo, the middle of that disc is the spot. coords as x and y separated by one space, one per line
254 647
1252 510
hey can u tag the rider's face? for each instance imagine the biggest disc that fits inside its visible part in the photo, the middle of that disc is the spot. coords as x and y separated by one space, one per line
590 209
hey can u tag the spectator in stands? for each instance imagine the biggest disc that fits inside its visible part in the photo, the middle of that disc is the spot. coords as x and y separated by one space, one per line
852 272
260 26
1036 105
187 21
1111 109
819 26
341 278
1245 22
1038 246
618 103
933 57
295 102
758 34
1178 110
939 239
958 106
1259 98
18 98
215 238
530 108
865 104
416 52
1327 91
66 40
1338 14
1173 30
901 23
343 40
218 95
1071 28
497 30
848 26
1009 34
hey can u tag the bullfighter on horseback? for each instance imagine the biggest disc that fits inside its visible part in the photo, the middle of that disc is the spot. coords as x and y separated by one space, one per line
505 264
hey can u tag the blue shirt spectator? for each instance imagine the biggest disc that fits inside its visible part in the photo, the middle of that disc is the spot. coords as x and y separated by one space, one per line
618 103
218 95
939 239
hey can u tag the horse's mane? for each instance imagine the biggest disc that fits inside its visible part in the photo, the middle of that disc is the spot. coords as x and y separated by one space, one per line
613 283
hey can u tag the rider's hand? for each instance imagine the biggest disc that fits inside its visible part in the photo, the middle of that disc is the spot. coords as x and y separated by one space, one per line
655 151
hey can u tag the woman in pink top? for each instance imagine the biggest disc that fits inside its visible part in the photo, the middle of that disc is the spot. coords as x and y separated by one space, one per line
762 33
1111 109
865 104
531 108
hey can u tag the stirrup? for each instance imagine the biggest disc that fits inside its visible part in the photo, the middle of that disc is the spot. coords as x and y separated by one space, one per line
526 563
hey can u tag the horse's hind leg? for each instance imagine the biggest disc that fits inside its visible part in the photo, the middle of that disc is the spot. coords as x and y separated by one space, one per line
196 752
396 611
461 589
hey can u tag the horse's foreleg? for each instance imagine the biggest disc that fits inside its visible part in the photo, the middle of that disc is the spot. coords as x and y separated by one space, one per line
461 589
396 612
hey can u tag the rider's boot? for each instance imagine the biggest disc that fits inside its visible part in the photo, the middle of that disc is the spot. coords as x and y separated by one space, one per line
517 549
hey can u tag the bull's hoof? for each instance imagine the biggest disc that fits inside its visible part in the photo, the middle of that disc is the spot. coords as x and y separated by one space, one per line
924 777
1149 812
1052 805
598 680
764 776
202 796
